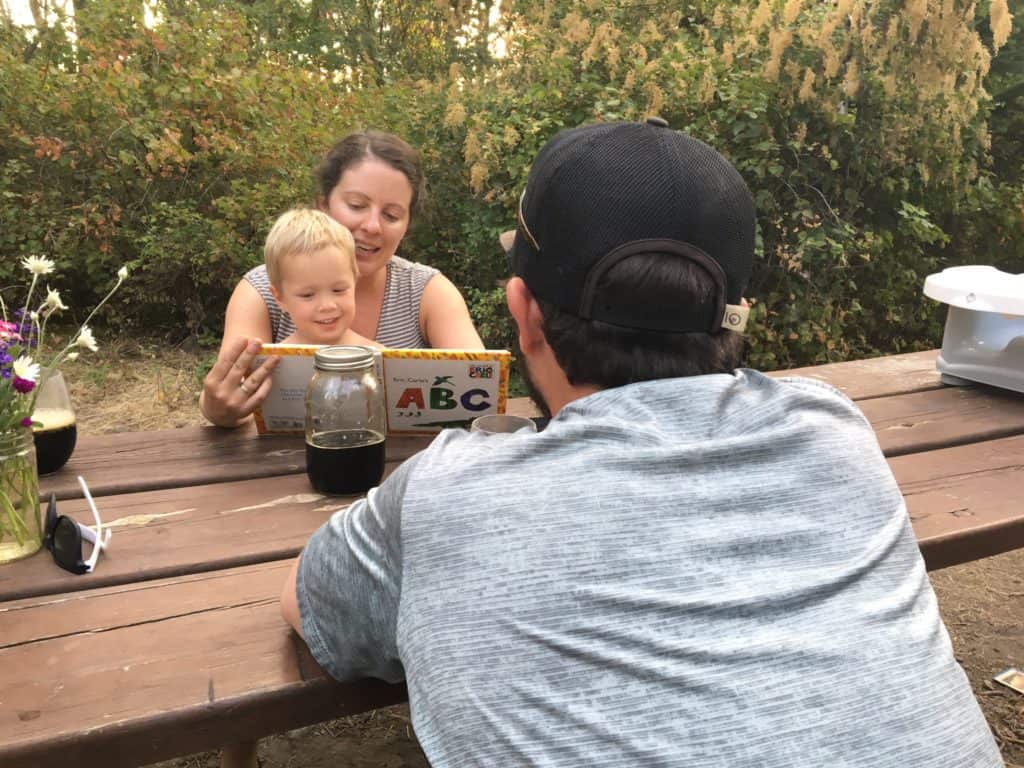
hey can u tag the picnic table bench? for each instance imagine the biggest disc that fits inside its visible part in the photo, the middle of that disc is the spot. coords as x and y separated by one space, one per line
175 644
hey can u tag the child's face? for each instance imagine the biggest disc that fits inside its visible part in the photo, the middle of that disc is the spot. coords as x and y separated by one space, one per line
319 291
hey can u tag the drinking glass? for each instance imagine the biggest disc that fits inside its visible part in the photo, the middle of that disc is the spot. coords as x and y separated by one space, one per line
496 423
57 432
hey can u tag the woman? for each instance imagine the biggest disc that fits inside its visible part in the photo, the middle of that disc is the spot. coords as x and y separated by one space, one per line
372 183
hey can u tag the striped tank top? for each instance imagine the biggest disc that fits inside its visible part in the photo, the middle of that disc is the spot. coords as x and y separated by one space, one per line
399 323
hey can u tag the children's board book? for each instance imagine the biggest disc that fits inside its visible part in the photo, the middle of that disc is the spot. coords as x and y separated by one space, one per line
426 390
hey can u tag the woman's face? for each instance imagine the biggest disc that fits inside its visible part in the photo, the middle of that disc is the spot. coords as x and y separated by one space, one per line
372 199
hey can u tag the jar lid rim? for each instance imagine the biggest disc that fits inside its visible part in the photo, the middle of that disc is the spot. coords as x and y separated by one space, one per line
343 357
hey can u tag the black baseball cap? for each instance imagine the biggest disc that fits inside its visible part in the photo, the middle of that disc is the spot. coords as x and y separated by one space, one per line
601 193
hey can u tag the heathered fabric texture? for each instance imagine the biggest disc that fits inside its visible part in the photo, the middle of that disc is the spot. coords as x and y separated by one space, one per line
712 571
399 324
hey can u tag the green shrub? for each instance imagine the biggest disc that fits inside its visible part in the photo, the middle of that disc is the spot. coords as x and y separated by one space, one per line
861 128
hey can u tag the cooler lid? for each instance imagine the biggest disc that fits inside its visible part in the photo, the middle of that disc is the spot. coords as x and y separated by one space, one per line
981 288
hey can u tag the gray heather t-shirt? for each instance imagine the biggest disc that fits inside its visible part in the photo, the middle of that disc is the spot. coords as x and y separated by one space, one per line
711 571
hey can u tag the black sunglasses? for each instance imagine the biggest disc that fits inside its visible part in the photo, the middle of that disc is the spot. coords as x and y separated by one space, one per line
64 537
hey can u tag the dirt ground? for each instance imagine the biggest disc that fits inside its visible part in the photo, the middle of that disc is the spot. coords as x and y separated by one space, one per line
131 385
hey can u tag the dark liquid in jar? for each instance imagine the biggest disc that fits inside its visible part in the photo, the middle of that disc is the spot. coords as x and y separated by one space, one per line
345 461
54 446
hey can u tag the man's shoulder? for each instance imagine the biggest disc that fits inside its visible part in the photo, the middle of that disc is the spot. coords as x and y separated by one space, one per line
721 399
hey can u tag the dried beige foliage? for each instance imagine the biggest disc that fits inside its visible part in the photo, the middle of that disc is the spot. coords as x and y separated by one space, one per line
778 41
471 149
727 53
706 90
1002 23
916 11
455 115
655 98
478 175
807 87
851 83
575 28
762 15
792 10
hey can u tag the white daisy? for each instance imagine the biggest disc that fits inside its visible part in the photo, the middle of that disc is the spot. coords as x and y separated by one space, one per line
86 339
38 265
25 369
53 302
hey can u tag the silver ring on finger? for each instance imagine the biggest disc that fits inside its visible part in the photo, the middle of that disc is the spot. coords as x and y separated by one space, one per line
245 389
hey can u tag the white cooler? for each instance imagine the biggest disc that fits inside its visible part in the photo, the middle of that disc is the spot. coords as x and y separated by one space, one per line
984 336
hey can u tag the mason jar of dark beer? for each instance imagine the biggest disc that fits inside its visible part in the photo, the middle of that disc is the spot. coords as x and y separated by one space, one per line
345 421
54 427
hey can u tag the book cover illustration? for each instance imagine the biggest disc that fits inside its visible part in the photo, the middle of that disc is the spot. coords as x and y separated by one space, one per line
426 390
430 389
284 409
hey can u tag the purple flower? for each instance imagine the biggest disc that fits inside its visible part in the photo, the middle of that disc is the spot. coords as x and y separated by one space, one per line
6 373
27 421
23 385
24 327
27 335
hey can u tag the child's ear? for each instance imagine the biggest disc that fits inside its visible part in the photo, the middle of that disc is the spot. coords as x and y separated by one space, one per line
275 293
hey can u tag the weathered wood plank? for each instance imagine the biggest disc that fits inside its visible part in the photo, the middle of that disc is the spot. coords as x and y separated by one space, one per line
965 502
155 670
858 379
199 528
940 418
877 376
171 532
140 461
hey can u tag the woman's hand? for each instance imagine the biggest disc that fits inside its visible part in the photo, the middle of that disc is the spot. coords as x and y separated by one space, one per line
229 395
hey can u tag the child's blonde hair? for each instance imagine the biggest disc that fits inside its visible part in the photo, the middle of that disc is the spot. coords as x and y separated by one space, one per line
303 231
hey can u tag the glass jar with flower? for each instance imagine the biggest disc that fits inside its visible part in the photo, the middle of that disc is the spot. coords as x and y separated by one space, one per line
24 370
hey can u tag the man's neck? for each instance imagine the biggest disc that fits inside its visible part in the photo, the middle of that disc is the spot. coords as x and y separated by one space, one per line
571 394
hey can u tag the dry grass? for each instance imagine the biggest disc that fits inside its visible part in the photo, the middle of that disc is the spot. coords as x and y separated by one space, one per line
132 384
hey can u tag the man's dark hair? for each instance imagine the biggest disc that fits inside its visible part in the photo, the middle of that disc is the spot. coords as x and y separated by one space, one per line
607 356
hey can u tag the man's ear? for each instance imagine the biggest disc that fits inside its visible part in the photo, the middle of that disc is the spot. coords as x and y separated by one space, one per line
526 313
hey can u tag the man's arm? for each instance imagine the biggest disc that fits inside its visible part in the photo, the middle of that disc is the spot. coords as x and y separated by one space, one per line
342 594
289 599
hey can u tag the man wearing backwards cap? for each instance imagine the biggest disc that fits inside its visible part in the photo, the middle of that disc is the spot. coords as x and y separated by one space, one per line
692 565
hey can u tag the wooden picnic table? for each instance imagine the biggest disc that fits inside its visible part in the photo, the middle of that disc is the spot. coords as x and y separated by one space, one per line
175 644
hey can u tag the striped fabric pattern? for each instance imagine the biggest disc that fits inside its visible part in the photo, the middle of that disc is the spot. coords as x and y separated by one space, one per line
399 323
